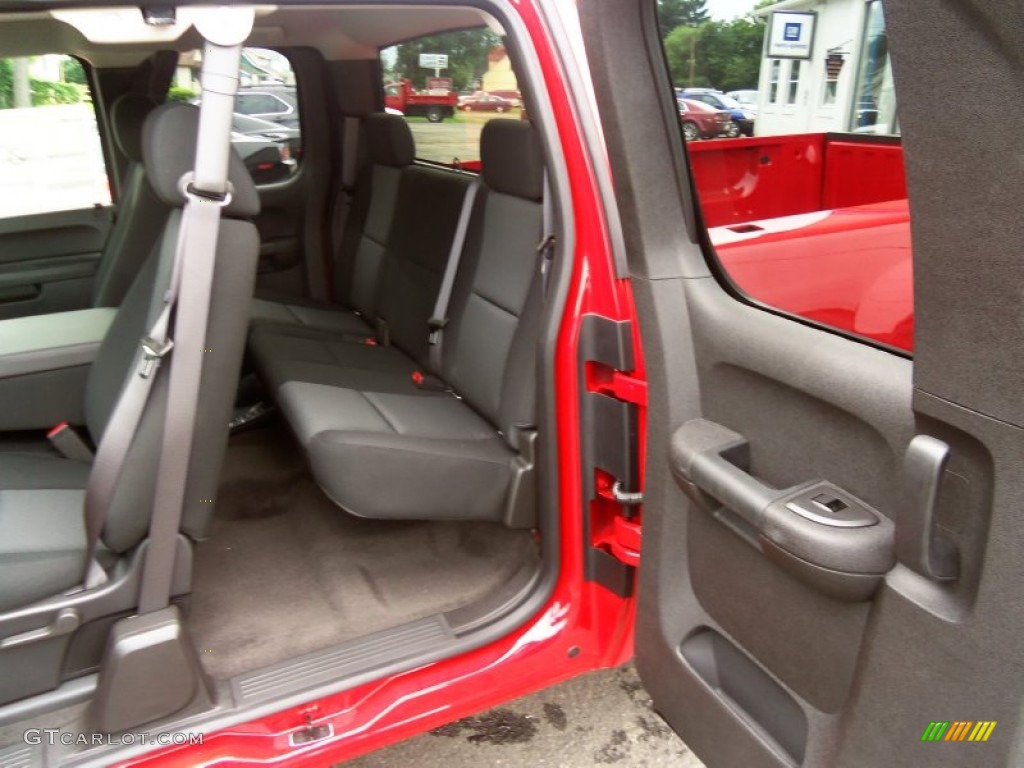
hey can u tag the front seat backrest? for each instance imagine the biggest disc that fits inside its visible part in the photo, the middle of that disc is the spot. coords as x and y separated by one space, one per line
140 213
168 150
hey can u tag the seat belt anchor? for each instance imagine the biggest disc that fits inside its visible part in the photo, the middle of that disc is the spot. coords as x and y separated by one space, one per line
153 352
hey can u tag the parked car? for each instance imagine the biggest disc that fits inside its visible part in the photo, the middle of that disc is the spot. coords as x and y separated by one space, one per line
514 97
283 134
700 121
268 160
276 103
481 101
743 116
747 98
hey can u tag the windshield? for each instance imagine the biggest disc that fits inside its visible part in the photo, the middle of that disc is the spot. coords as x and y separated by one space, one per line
728 101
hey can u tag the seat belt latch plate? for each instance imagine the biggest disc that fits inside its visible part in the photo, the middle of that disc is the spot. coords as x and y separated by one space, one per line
153 352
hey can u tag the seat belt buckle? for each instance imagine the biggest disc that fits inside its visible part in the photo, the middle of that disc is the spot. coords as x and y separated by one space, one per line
428 382
153 352
69 443
383 334
436 325
370 341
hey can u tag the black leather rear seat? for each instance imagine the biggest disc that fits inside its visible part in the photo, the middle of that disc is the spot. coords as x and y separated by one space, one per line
381 446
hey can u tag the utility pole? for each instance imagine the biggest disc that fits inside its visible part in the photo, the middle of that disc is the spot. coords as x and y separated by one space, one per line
693 58
22 89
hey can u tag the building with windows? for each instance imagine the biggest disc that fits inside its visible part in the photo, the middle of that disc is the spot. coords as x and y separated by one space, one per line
826 67
499 75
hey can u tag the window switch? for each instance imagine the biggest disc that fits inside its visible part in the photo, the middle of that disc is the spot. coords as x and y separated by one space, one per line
829 503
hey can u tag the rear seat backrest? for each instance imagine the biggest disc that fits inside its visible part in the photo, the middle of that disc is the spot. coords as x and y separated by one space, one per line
368 225
490 344
426 215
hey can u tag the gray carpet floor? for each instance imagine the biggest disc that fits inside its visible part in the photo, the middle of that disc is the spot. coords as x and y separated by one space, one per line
285 571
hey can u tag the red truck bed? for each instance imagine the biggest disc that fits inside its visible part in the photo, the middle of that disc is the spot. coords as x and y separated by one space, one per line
817 225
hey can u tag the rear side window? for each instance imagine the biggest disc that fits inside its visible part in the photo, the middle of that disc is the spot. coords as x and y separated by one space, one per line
447 87
266 127
802 184
51 158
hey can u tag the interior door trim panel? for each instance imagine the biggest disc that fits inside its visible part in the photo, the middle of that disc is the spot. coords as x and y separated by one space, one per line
820 534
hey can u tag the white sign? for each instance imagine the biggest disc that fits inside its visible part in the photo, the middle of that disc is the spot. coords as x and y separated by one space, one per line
434 60
791 35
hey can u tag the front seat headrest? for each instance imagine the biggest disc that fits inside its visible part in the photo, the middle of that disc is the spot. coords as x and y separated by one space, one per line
512 159
128 113
390 141
169 152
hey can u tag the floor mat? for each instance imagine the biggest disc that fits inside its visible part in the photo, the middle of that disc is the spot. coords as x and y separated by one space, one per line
285 571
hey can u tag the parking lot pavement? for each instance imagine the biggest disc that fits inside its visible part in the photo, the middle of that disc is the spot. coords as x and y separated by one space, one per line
603 718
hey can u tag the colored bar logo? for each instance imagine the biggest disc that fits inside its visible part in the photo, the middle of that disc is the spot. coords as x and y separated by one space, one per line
958 730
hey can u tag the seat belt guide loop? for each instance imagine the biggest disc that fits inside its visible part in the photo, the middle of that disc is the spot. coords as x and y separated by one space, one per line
192 192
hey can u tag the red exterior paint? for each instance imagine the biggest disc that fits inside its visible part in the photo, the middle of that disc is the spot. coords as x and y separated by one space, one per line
848 269
582 627
765 177
861 172
760 178
406 99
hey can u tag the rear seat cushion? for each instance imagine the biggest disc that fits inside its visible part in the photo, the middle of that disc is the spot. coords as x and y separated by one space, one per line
325 317
427 212
382 452
424 455
285 354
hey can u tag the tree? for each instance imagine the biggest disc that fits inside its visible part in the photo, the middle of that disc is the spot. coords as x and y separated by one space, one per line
73 71
719 54
6 84
467 57
681 13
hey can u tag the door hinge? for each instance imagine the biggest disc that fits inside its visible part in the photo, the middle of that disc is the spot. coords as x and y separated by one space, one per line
611 400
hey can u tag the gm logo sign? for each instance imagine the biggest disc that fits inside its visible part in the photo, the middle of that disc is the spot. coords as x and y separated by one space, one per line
958 730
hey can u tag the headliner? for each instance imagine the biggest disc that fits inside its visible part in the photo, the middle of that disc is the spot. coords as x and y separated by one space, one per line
338 32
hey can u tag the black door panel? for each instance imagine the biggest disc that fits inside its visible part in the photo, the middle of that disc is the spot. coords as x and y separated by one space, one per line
48 261
776 650
752 655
